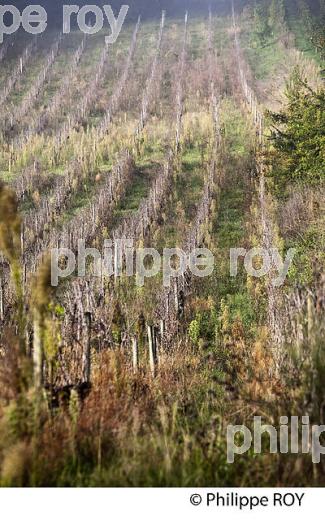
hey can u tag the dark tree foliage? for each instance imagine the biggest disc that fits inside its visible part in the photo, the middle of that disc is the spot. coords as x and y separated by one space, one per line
299 135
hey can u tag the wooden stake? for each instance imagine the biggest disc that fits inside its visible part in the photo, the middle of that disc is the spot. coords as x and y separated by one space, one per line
86 357
1 299
310 319
135 355
38 351
152 349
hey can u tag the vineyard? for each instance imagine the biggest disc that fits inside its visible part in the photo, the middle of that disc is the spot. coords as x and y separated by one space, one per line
204 130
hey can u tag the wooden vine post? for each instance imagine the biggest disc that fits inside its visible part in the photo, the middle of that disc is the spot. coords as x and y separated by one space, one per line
135 355
153 355
86 356
38 357
1 298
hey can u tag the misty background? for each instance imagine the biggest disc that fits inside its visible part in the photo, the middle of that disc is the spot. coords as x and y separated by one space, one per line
145 8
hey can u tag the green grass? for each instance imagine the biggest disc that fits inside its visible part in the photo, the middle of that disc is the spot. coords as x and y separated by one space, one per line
264 60
236 128
302 40
190 182
231 224
138 191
